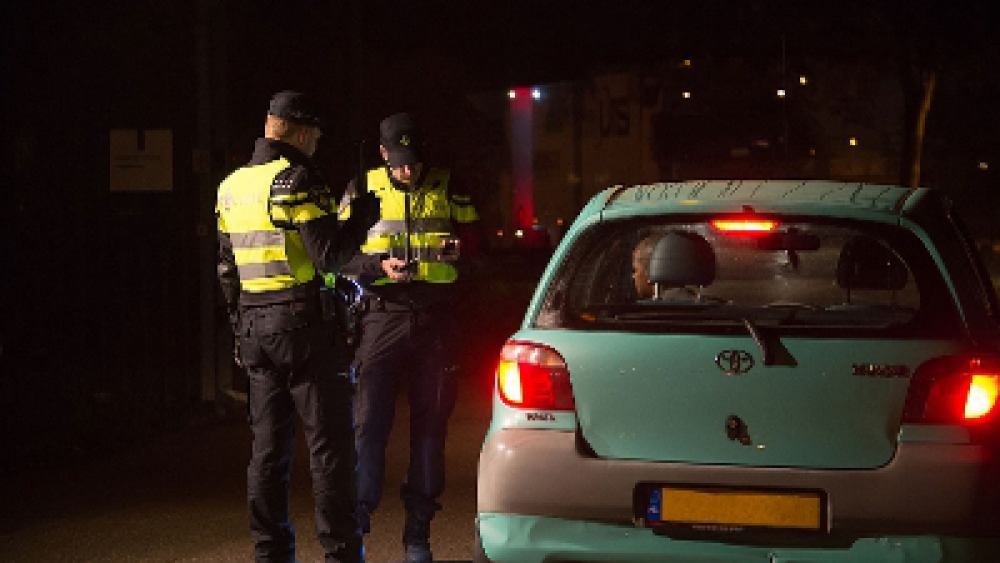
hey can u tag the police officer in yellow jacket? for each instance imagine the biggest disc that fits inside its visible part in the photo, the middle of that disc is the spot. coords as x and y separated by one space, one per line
278 236
410 270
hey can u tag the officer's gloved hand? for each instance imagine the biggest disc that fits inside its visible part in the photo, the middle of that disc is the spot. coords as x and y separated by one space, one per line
366 207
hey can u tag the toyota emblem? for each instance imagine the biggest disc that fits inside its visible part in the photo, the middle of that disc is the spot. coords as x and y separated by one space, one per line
734 362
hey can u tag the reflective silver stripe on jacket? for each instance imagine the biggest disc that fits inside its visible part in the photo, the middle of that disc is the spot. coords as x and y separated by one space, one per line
265 270
417 226
257 239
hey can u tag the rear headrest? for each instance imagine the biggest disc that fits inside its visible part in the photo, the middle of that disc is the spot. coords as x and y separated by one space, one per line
682 258
865 263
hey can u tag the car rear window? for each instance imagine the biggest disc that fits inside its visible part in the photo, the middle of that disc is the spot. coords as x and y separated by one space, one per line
803 275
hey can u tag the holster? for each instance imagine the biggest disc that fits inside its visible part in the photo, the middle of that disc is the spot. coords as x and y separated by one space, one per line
341 307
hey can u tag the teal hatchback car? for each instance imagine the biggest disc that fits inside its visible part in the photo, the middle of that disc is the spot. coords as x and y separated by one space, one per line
775 371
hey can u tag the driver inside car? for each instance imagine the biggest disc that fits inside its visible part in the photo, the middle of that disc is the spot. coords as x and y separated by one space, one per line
665 266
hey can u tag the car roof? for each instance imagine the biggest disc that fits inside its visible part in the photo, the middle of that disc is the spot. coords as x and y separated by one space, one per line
813 197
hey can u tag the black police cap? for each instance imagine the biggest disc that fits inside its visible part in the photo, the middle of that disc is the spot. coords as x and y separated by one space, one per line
295 107
402 139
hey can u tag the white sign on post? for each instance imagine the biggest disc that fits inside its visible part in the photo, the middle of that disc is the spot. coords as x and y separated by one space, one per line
142 160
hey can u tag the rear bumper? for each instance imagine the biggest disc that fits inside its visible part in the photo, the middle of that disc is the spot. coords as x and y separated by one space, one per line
928 488
535 539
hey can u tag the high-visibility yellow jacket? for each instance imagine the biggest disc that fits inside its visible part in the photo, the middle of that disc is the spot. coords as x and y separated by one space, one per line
433 211
277 226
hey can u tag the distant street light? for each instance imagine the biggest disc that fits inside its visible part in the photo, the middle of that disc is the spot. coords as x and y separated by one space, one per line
781 92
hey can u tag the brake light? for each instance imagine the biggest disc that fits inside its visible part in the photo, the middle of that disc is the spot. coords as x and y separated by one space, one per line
532 376
745 226
982 396
954 389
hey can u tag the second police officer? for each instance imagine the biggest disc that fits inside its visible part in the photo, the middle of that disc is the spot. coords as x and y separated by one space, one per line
409 273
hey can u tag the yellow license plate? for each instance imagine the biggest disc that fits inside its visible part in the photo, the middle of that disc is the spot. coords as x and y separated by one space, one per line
710 508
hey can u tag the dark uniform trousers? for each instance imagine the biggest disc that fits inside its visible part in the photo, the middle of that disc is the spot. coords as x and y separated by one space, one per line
294 366
403 347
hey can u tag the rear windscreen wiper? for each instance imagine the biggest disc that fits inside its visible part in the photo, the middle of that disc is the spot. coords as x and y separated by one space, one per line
766 356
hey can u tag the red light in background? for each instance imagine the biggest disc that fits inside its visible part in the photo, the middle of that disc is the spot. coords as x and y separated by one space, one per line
522 151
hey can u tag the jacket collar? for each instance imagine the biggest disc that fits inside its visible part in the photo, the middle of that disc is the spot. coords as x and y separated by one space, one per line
266 150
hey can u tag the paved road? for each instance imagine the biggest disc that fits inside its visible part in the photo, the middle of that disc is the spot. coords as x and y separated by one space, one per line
181 499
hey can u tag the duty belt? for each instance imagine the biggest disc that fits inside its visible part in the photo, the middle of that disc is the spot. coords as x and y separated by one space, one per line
376 303
299 306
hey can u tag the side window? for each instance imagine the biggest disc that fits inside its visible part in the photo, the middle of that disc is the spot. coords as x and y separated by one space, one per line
604 275
989 291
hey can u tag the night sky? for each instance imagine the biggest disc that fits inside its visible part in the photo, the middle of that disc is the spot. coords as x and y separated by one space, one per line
136 60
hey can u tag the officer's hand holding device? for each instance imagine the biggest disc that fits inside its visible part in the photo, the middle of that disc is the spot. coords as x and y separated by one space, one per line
398 270
410 267
450 250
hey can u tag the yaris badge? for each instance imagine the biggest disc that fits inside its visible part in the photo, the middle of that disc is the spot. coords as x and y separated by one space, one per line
734 362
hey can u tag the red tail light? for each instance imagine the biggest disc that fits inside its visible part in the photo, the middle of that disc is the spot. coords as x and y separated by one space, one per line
954 389
531 376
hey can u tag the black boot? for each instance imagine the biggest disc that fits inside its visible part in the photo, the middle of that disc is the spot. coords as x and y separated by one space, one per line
416 539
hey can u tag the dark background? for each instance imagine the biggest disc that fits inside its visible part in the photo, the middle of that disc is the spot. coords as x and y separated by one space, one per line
108 300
